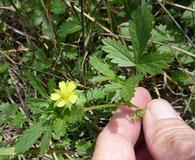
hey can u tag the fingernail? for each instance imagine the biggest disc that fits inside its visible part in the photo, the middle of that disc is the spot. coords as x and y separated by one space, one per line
161 109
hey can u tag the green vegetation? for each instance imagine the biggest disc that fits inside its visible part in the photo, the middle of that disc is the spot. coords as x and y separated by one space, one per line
102 50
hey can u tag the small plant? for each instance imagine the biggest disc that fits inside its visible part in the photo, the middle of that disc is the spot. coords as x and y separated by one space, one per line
70 81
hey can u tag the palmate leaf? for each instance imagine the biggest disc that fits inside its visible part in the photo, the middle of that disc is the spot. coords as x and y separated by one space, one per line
154 63
102 67
139 28
119 54
29 137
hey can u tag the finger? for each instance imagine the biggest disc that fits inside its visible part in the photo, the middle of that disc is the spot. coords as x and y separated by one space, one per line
166 134
141 150
116 140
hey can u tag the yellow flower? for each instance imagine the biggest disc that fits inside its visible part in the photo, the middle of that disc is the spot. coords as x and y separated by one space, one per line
65 95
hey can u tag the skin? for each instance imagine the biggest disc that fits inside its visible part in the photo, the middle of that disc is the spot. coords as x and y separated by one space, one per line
164 136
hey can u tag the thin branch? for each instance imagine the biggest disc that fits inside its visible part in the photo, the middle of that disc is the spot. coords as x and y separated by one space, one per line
177 24
179 6
7 8
101 106
92 19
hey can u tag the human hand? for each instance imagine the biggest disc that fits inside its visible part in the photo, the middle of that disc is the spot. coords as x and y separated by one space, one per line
166 136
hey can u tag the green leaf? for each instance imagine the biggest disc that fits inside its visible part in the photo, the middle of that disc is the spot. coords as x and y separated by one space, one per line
36 17
97 79
74 115
18 120
83 147
139 28
128 90
29 137
58 6
41 60
46 139
95 94
59 127
35 82
8 109
119 54
68 28
102 67
154 63
7 151
3 67
180 76
51 84
161 34
46 29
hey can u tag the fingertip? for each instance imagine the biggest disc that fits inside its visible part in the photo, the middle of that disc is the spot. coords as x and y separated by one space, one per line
142 97
161 109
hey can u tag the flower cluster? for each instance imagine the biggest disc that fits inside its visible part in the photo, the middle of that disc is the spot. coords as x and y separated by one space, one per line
65 95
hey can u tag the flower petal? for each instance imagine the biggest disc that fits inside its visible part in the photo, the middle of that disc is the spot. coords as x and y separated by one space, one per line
73 98
71 86
55 96
62 86
60 103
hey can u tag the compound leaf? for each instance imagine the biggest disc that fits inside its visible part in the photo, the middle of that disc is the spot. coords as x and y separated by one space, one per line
119 54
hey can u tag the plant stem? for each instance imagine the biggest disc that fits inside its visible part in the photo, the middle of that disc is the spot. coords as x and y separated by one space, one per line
129 104
101 106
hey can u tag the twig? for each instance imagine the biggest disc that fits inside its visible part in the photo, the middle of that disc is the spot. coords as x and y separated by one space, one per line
92 19
101 106
7 8
177 24
181 50
36 151
179 6
47 10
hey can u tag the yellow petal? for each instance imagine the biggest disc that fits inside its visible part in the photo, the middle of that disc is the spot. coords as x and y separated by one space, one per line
55 96
60 103
73 98
71 86
62 86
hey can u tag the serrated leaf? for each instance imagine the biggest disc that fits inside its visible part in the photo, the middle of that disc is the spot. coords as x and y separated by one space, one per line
154 63
46 139
128 90
7 151
112 87
139 28
102 67
29 137
97 79
59 127
95 94
161 34
119 54
35 82
74 115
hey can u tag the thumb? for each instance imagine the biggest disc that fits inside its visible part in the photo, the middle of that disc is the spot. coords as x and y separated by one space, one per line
166 134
